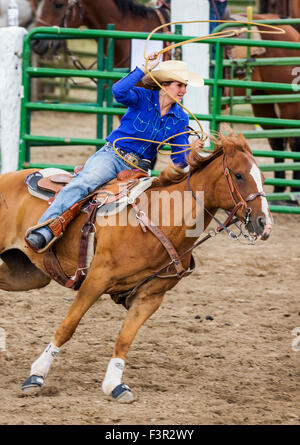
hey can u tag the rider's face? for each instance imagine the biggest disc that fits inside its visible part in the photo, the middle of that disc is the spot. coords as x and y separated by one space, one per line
176 89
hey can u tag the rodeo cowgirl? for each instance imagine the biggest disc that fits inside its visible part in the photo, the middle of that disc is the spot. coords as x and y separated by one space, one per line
152 114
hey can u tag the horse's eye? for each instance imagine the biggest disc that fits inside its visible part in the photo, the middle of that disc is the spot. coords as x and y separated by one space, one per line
58 5
238 176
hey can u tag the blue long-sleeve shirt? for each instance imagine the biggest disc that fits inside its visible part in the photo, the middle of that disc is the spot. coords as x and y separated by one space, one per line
143 120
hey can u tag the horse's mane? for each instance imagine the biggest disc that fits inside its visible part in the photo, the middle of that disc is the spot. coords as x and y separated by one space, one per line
196 161
173 174
126 6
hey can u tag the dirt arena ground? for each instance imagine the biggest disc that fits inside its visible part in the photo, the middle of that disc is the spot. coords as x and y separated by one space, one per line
222 349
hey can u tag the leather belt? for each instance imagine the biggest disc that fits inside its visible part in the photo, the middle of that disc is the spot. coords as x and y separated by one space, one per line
134 159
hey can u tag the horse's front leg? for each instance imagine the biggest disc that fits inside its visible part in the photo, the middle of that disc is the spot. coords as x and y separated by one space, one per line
89 292
143 306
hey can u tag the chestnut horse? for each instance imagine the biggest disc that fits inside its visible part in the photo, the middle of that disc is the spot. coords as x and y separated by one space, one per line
125 256
284 8
126 15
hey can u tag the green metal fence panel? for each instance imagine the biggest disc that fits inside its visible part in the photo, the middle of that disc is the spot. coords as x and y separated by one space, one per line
242 3
288 131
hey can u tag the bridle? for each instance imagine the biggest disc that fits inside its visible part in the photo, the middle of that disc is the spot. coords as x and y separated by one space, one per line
234 190
238 203
70 8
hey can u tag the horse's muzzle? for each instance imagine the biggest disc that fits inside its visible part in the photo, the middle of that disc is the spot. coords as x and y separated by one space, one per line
42 47
260 227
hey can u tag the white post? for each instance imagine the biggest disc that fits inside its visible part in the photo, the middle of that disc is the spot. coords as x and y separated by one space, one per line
196 55
11 47
25 13
2 340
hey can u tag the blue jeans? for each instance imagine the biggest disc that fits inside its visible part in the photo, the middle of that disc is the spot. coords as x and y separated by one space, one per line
221 6
100 168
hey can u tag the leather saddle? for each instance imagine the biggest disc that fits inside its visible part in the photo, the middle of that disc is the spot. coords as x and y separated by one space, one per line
45 184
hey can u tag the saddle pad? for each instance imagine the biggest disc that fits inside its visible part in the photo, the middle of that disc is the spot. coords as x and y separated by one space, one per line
32 182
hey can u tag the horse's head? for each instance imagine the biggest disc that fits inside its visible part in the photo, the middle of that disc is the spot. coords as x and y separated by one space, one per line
230 180
240 187
63 13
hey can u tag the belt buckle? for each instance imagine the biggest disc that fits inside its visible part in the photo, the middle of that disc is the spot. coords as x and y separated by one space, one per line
132 158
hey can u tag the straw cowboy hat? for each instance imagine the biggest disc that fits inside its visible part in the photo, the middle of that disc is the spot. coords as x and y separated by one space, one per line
175 70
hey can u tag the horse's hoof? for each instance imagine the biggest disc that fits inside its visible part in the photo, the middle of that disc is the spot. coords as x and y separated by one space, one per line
33 384
123 394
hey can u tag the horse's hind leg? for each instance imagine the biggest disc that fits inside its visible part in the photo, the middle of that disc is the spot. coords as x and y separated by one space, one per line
143 306
18 273
89 292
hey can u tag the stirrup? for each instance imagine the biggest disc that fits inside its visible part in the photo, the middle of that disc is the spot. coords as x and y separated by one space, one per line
38 226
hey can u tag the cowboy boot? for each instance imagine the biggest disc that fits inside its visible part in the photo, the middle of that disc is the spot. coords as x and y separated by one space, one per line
38 239
42 236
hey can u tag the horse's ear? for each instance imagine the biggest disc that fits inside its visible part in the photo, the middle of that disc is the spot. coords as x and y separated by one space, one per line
244 144
229 145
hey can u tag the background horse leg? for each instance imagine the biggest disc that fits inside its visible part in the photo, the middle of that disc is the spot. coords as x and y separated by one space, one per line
143 306
295 146
292 111
268 110
90 291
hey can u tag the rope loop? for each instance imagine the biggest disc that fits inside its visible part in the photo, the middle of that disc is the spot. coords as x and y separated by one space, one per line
270 29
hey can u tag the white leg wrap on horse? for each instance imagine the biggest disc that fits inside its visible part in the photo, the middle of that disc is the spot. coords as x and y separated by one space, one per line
113 376
42 365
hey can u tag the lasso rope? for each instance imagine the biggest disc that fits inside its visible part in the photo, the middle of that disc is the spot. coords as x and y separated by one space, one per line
270 29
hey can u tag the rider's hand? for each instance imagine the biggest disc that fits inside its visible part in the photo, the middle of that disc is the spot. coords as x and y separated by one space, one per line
198 144
153 61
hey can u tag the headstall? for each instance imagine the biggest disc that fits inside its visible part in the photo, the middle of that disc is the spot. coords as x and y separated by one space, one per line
241 202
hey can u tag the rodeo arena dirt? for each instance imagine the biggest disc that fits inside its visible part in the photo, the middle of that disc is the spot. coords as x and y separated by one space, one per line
218 351
223 348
